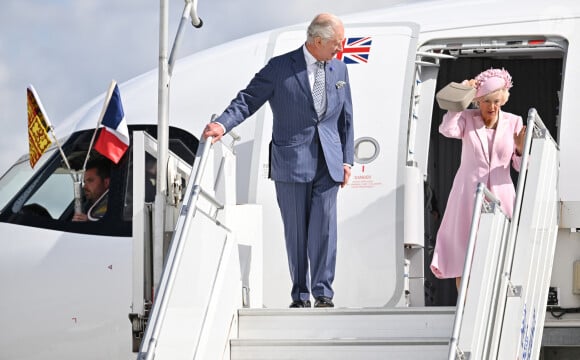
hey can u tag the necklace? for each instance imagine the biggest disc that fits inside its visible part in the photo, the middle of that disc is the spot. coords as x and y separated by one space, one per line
491 125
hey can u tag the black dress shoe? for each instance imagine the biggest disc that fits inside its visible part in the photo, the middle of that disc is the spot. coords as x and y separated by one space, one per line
300 304
323 302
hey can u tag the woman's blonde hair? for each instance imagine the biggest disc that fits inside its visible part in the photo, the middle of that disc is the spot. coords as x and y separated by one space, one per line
503 92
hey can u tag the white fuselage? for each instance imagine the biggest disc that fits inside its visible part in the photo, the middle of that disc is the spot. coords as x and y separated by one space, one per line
68 295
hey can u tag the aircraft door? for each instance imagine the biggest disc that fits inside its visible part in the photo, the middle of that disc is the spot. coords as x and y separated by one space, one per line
380 60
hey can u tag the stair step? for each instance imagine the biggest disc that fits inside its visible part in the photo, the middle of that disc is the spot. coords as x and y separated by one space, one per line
341 349
346 323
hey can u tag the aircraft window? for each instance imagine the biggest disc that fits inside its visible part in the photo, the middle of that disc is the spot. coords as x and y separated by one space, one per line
150 178
128 198
366 149
55 195
11 182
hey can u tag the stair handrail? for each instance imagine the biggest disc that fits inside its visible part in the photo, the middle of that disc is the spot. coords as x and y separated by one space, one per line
481 193
535 125
174 255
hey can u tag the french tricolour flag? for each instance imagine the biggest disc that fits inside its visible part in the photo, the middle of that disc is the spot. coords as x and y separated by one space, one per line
113 140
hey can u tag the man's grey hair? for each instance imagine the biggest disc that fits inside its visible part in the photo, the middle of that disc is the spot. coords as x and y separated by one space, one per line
323 25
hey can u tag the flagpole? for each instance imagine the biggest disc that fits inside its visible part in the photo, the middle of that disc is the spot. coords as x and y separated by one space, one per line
103 110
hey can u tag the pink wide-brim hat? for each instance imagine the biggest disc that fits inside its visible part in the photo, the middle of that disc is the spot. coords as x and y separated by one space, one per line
492 80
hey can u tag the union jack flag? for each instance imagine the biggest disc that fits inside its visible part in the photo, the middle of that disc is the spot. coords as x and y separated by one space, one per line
355 50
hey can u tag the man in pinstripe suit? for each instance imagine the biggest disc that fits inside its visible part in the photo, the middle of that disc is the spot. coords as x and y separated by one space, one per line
312 150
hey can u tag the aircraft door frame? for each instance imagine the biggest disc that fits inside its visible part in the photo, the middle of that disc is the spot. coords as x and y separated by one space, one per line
148 257
142 279
424 88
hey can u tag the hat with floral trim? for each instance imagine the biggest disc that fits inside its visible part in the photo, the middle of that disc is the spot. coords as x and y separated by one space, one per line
492 80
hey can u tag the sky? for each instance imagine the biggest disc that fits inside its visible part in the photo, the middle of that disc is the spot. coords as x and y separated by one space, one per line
70 50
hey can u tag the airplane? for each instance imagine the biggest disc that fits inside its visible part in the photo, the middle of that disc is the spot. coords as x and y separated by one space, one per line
130 285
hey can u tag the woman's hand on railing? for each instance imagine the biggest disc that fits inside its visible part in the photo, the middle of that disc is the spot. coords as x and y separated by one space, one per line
215 130
519 140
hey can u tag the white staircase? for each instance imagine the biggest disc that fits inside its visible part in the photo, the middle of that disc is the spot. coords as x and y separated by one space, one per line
369 333
501 314
208 278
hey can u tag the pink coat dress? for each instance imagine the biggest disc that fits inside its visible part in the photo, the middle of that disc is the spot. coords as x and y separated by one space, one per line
477 165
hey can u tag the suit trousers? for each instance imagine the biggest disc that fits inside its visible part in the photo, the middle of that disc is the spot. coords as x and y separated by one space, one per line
310 228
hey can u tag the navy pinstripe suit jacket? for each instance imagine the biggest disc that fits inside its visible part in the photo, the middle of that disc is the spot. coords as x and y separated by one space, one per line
283 82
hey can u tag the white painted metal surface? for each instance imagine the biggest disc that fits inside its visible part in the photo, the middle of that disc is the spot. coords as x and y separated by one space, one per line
201 287
340 349
533 258
483 284
342 333
44 265
345 323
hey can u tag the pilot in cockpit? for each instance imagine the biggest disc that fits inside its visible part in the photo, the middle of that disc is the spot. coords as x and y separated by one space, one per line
96 187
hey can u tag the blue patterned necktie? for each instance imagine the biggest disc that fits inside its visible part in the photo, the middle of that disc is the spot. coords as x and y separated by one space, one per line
318 90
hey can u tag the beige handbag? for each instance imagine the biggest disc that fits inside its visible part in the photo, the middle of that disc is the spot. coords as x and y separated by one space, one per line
455 96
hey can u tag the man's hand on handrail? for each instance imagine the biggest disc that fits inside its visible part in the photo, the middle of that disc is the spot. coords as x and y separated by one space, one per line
215 130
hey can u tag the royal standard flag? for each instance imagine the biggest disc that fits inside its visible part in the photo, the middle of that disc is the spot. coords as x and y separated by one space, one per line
38 127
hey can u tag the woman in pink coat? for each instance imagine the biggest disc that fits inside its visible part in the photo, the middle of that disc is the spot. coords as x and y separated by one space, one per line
491 140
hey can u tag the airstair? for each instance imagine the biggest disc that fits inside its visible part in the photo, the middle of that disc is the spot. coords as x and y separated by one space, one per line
343 333
204 307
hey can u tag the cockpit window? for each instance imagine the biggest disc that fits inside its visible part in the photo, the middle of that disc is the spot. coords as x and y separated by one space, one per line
56 193
11 182
45 197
